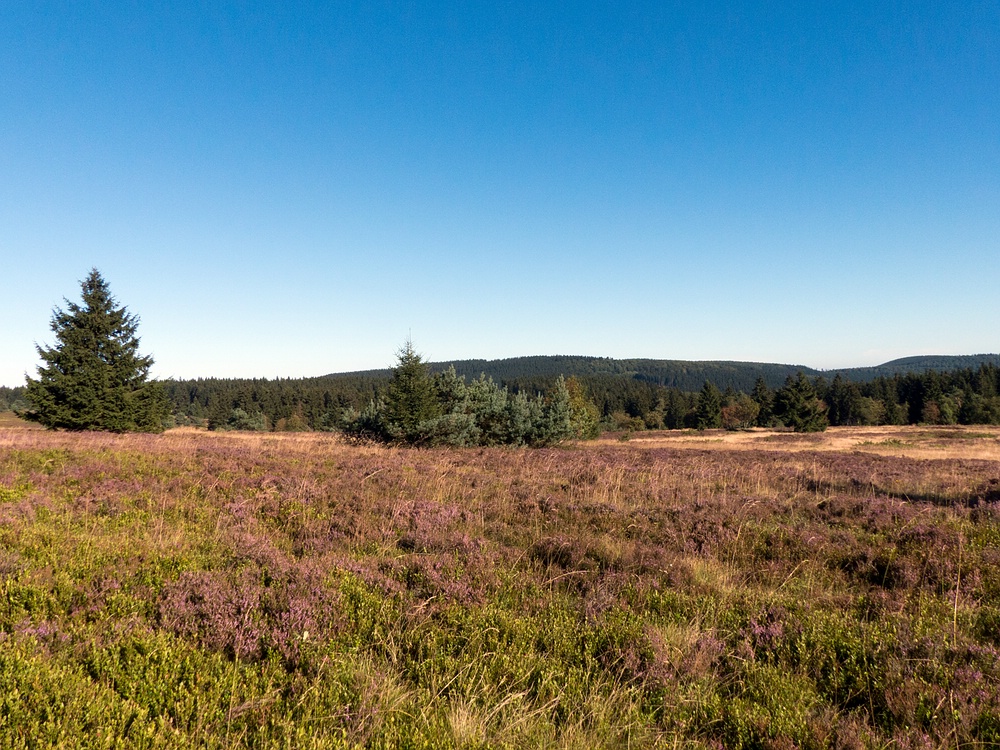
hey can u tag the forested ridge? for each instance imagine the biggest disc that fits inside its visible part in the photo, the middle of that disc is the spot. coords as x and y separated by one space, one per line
685 375
628 393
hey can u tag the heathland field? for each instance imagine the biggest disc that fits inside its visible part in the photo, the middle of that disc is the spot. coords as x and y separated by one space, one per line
224 590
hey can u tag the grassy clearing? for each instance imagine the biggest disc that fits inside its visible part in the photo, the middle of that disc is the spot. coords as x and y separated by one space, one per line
9 420
978 442
220 591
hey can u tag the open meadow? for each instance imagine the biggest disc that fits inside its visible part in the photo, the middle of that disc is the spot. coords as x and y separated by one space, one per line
737 590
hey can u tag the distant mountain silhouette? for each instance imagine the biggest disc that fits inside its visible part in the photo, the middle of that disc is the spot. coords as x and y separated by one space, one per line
917 365
682 374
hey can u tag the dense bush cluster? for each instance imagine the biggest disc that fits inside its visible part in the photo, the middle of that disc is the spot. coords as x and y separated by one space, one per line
442 409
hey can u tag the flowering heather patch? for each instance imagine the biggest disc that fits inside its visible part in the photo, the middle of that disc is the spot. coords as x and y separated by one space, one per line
231 590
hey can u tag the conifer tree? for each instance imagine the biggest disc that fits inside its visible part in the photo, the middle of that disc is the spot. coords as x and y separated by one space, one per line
798 406
709 407
488 403
555 425
411 399
584 418
764 397
675 409
844 401
94 377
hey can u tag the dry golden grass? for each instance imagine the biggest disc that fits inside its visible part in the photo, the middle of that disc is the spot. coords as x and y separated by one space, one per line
913 441
10 420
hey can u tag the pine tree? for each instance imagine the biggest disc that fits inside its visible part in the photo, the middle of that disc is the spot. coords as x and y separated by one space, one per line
94 377
797 405
487 402
555 425
844 401
764 397
675 409
584 418
709 407
411 399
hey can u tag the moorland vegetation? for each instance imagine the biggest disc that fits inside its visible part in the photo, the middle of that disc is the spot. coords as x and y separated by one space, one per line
239 590
229 589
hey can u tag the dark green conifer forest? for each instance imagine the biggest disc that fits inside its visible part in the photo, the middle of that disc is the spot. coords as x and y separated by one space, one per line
12 399
95 378
619 402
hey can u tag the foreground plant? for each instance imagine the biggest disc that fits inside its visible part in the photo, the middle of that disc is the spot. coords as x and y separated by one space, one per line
195 590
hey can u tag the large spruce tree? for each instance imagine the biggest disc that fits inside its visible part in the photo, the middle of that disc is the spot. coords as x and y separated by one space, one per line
797 405
709 412
411 400
94 377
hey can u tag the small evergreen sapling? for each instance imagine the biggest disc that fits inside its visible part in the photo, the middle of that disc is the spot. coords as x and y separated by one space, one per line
584 418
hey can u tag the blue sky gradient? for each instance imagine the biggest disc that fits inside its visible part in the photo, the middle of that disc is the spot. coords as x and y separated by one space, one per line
291 189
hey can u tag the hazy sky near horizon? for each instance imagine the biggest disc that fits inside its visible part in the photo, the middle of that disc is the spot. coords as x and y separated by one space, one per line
291 189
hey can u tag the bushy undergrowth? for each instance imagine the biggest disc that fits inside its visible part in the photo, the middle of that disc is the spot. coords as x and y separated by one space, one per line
421 409
221 591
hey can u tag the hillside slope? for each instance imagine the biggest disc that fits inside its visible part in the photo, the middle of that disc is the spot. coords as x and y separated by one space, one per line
682 374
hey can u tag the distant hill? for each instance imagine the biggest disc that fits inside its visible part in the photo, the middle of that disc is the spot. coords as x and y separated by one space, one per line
681 374
917 365
687 376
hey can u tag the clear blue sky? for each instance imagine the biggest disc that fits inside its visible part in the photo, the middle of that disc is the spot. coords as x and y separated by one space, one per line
290 189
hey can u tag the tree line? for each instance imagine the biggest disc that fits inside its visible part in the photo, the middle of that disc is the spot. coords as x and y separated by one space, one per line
963 396
12 399
95 378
